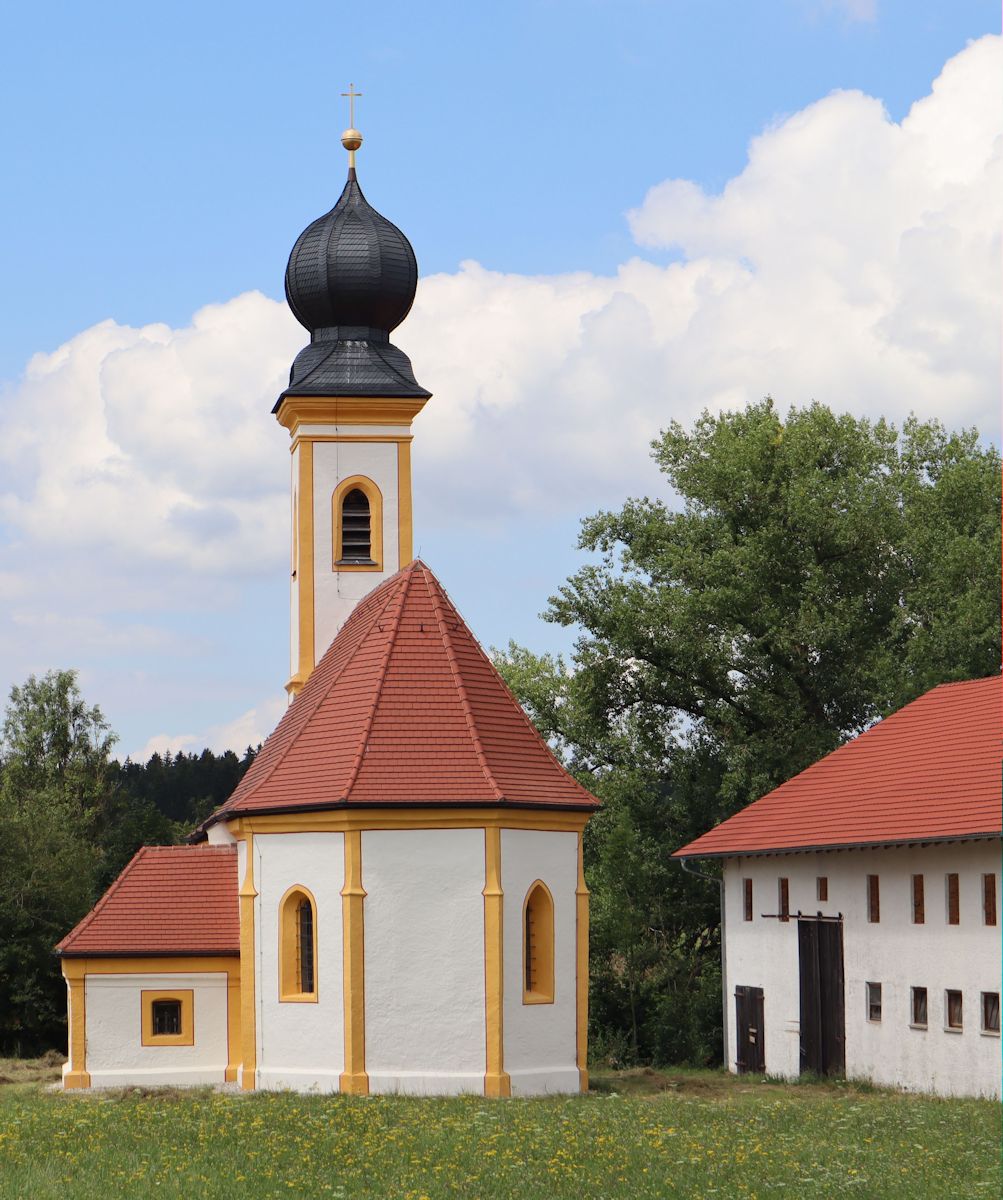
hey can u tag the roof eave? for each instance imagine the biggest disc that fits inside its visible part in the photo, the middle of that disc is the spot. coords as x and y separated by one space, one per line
815 847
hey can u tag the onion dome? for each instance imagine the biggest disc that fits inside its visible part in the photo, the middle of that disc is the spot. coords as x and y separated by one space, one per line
350 280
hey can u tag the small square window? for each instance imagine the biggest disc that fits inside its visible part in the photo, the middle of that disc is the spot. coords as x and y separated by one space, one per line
747 898
822 887
954 1010
166 1017
874 1002
919 1007
990 1012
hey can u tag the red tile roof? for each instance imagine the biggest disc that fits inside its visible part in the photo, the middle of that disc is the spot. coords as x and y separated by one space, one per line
929 772
169 900
404 708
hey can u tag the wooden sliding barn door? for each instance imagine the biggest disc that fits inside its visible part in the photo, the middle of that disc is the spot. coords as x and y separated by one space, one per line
751 1056
823 1018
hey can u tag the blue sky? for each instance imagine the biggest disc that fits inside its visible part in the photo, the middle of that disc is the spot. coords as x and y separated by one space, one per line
159 160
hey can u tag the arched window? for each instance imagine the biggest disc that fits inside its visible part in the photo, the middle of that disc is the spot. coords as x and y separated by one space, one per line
298 946
538 945
357 525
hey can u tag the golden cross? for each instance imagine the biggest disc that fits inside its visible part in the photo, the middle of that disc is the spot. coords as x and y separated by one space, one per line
352 97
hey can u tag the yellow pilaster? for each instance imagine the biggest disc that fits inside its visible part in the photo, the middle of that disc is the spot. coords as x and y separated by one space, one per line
582 969
496 1079
304 568
77 1076
354 1079
405 532
233 1044
248 1033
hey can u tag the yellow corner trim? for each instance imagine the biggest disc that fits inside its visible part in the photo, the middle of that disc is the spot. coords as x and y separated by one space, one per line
186 999
305 564
405 529
290 962
538 945
354 1081
346 410
248 1031
582 969
375 498
496 1080
77 1076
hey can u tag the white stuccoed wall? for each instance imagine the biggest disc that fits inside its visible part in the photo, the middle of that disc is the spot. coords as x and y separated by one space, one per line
894 952
337 592
116 1056
300 1046
424 937
540 1039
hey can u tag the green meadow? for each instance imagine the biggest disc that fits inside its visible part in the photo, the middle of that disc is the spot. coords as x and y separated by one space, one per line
637 1134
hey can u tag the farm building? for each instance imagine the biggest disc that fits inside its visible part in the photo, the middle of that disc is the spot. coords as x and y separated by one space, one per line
861 905
393 898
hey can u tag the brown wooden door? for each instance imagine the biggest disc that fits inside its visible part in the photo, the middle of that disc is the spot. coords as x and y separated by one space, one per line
751 1055
823 1017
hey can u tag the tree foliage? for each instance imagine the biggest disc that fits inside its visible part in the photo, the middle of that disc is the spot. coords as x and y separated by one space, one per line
812 574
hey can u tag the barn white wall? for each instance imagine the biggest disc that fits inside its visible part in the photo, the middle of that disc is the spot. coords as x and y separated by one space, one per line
300 1046
337 592
540 1039
424 938
894 952
116 1056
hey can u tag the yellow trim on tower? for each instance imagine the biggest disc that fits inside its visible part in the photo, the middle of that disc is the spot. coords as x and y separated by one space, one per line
340 820
347 410
405 530
375 498
354 1079
186 998
538 944
304 570
247 895
496 1079
582 969
73 973
290 974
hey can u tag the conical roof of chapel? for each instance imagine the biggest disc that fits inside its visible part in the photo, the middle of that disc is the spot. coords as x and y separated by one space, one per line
405 708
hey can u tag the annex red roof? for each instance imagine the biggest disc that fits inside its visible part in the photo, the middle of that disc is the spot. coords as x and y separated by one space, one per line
169 900
404 708
930 772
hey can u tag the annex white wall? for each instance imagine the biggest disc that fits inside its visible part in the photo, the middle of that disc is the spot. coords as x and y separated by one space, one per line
337 592
300 1045
424 938
540 1039
893 952
116 1056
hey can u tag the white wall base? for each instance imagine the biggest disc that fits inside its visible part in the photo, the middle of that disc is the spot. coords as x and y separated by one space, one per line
416 1083
276 1079
159 1077
546 1082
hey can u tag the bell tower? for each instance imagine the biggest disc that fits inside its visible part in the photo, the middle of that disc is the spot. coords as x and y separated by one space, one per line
351 398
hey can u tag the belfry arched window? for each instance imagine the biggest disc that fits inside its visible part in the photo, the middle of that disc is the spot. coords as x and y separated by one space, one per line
298 946
357 525
538 945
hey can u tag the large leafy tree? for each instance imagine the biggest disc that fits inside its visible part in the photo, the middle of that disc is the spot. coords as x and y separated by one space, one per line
811 573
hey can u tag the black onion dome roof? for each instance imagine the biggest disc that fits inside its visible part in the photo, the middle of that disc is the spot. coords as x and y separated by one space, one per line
351 267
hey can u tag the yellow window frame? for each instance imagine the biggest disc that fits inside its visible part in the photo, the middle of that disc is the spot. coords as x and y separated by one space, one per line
186 997
375 498
290 986
538 944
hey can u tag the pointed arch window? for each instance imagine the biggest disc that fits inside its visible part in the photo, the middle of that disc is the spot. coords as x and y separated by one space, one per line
298 946
538 945
357 525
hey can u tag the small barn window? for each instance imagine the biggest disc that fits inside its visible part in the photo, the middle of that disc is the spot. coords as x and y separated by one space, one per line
954 1009
989 899
357 525
297 946
873 899
918 901
990 1012
918 1016
167 1018
822 887
538 945
784 897
874 1002
747 898
953 900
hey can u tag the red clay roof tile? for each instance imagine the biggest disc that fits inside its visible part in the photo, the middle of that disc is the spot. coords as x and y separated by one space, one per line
169 900
929 772
404 708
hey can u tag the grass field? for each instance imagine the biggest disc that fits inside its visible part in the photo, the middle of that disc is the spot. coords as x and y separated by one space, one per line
639 1134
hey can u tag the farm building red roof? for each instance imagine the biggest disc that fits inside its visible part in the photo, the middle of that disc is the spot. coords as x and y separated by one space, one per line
930 772
168 900
404 708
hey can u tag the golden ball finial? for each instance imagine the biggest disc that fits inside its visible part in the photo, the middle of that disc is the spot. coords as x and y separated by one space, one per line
351 139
